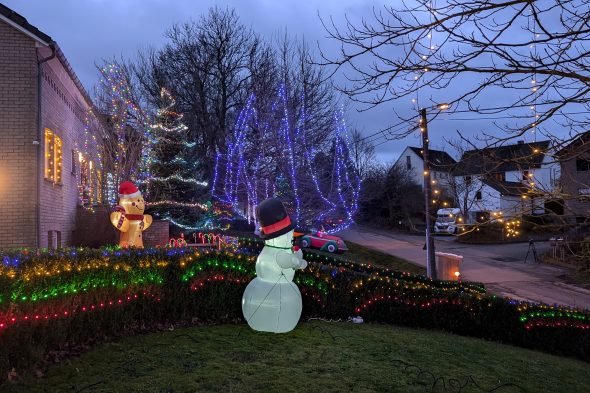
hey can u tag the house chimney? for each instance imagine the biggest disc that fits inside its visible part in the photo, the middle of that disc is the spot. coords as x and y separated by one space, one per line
521 142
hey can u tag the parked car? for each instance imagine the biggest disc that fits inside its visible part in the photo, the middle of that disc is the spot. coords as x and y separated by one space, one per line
321 240
448 221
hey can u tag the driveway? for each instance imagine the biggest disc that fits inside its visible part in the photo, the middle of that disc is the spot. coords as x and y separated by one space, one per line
500 267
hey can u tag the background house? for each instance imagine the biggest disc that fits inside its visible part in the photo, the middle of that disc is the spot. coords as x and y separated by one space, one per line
511 180
441 164
574 160
49 162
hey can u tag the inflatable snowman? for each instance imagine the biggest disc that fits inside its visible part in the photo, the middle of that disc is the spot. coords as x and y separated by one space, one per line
272 302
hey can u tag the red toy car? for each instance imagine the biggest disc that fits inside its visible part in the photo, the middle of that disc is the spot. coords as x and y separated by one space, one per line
323 241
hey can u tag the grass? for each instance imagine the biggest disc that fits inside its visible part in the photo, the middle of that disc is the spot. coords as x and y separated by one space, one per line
315 357
362 254
579 277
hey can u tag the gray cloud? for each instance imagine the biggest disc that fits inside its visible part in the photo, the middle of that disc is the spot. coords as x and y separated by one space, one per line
91 30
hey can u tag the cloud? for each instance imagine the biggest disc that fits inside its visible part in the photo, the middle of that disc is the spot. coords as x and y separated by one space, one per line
92 30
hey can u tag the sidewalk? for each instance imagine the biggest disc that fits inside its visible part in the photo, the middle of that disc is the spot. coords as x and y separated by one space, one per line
500 267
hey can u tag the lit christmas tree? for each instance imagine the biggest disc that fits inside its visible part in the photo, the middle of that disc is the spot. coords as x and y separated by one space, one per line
174 188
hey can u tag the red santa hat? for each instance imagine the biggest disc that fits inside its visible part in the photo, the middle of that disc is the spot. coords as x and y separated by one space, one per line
128 190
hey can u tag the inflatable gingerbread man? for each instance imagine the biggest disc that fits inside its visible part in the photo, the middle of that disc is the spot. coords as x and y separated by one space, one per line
128 216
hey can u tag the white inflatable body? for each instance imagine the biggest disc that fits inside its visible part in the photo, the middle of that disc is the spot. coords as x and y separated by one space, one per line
272 302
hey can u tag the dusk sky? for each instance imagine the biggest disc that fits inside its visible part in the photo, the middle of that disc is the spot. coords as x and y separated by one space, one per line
91 30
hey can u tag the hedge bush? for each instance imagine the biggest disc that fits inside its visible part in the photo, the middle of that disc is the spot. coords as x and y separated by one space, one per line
50 300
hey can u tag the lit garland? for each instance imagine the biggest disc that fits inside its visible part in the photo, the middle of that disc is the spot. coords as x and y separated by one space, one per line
50 285
201 206
69 313
176 178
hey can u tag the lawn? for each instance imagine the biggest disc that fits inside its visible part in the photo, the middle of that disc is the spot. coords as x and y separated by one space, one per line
315 357
579 277
361 254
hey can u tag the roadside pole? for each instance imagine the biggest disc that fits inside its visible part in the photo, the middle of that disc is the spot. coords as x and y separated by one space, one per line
430 256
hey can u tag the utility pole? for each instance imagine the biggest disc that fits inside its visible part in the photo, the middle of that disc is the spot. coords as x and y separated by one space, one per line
430 257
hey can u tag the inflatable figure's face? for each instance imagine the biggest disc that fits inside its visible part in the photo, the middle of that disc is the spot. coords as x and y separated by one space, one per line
284 241
133 205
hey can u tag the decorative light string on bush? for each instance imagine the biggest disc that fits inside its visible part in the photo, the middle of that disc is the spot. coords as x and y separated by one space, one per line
41 282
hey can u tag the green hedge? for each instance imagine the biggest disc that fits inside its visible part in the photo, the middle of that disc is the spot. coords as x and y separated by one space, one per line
53 300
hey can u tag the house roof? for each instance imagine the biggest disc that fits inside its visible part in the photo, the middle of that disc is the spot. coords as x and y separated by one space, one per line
580 144
502 158
22 23
439 160
507 187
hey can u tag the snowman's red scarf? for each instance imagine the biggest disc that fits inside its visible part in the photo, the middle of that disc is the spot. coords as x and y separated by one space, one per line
130 217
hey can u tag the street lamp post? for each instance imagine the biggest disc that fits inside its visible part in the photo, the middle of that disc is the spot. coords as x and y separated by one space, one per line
430 255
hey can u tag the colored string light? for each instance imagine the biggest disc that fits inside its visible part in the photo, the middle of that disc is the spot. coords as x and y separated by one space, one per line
43 279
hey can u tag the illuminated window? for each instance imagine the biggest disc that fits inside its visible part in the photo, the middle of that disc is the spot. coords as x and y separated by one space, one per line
98 186
53 156
84 186
58 157
74 159
49 154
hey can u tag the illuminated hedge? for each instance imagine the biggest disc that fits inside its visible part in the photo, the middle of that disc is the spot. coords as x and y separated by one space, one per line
72 296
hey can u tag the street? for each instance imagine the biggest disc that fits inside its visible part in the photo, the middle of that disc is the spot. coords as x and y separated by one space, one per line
500 267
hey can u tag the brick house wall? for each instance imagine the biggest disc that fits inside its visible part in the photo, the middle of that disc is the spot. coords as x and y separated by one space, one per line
44 216
572 181
18 130
62 111
158 234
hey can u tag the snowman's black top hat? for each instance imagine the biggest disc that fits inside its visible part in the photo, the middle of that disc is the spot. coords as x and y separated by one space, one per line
273 218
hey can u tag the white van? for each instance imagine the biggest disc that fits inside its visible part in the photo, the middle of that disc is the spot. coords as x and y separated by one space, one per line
448 221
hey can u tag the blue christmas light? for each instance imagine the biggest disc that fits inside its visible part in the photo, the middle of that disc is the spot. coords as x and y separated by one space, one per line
242 174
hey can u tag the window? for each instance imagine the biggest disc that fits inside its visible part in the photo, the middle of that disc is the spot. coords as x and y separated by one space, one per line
468 180
74 158
53 156
98 186
582 165
53 239
408 162
478 195
500 176
85 184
